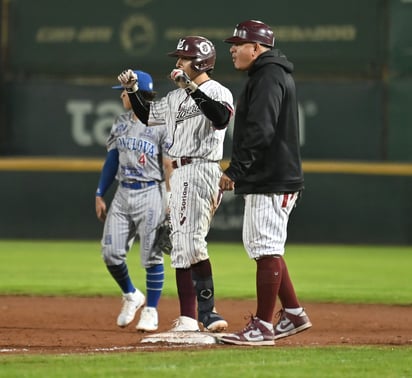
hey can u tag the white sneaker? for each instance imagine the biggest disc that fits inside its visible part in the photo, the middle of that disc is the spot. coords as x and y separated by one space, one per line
185 324
131 303
148 320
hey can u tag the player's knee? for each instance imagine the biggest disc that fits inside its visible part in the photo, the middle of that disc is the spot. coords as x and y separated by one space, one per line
113 257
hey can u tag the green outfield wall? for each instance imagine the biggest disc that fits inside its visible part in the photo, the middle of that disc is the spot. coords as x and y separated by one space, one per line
353 67
342 203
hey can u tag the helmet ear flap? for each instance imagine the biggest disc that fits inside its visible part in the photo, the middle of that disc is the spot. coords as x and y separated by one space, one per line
199 65
195 65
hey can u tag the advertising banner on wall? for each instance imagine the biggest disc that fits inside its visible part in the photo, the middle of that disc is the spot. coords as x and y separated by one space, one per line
98 38
338 120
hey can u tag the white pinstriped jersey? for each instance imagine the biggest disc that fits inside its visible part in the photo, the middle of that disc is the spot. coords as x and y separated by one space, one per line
138 146
192 133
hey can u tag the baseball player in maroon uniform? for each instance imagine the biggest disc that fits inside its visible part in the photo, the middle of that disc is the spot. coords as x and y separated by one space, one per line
266 170
197 114
136 158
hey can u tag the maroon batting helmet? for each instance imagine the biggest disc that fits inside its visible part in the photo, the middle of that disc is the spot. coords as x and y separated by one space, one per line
252 31
199 49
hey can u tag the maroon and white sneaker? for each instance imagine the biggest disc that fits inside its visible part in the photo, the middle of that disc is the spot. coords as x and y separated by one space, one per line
257 332
290 324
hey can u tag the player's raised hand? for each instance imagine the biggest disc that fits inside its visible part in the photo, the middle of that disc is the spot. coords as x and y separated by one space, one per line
128 79
180 77
182 80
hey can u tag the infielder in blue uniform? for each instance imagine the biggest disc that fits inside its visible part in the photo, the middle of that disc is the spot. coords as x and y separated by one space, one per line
136 158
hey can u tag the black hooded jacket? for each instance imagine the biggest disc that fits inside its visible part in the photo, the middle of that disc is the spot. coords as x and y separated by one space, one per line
266 150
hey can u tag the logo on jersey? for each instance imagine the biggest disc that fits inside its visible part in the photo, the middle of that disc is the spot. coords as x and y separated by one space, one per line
135 144
120 128
108 239
131 171
183 205
187 112
148 131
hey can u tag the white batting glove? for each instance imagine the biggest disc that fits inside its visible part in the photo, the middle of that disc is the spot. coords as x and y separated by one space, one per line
182 80
128 79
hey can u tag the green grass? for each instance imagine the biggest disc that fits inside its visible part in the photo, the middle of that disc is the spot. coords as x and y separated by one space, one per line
262 362
321 273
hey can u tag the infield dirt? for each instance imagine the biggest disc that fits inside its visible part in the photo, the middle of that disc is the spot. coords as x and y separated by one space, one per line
56 325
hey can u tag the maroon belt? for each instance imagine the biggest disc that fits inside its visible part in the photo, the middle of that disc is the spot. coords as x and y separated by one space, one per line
180 162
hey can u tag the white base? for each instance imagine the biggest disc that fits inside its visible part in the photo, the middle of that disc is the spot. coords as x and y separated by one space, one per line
183 338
